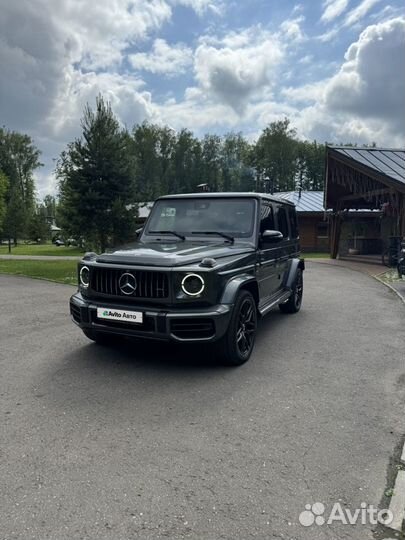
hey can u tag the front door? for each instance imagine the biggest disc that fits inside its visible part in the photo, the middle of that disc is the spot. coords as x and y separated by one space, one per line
267 272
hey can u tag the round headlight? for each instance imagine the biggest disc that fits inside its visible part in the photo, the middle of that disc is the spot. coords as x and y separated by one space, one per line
192 284
84 275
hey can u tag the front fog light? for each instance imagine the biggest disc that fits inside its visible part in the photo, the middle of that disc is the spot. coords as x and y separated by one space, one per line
192 284
84 275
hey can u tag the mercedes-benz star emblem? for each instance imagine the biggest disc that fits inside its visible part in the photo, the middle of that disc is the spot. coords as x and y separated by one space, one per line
127 284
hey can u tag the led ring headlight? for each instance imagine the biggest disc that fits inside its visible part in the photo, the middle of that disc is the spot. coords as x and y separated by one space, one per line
192 284
84 275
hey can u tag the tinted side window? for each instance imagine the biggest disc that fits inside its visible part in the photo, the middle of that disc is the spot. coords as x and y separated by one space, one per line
293 222
283 221
266 218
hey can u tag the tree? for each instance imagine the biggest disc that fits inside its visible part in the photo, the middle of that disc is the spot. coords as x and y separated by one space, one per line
3 191
152 147
236 173
211 162
39 227
19 158
96 180
183 170
312 156
275 157
50 208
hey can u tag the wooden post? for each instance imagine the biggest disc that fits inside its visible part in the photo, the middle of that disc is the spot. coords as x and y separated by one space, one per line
401 208
336 227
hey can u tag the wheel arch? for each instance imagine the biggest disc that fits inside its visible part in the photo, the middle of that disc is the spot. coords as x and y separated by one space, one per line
295 265
235 285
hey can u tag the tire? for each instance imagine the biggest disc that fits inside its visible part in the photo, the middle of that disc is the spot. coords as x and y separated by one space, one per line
293 304
236 346
100 338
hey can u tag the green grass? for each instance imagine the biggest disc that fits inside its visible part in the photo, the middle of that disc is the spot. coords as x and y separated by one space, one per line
316 255
391 276
59 271
41 249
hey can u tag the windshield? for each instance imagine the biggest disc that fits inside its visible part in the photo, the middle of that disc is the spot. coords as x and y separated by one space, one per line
233 216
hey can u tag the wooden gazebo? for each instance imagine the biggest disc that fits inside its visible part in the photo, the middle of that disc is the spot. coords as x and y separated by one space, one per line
364 179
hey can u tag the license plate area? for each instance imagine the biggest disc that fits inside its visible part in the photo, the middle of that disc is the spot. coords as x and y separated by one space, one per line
120 315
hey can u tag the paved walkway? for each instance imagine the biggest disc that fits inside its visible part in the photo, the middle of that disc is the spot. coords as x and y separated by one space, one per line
367 268
374 270
152 441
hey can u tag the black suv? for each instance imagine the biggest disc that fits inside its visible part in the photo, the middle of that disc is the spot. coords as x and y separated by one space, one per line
204 268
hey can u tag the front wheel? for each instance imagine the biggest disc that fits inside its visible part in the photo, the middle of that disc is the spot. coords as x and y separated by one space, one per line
236 346
293 304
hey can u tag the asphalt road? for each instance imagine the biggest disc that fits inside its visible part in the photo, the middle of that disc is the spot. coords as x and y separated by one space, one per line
159 442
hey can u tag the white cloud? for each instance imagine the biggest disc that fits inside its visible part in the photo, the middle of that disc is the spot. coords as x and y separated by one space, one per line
359 12
238 67
332 9
311 92
129 101
165 59
51 54
201 6
56 55
329 35
291 29
371 81
100 31
364 101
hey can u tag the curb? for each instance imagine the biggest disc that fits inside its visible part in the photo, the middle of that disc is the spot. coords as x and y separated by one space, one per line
377 278
397 502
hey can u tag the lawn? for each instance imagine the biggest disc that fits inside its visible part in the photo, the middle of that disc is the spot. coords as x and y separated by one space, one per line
41 249
316 255
60 271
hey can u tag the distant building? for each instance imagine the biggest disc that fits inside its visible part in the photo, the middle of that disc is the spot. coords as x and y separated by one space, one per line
312 218
144 209
361 226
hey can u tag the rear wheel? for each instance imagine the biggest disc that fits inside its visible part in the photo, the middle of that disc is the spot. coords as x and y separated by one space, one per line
236 345
101 338
293 304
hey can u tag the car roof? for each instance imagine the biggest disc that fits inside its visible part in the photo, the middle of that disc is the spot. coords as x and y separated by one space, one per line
227 195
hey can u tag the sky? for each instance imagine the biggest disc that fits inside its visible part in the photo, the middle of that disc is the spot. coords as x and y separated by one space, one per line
336 68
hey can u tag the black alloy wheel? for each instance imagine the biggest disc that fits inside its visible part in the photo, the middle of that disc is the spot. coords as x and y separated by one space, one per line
236 346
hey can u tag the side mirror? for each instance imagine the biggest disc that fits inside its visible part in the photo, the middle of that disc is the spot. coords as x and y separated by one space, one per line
272 237
138 232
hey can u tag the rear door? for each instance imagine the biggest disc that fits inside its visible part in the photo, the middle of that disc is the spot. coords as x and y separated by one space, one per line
286 222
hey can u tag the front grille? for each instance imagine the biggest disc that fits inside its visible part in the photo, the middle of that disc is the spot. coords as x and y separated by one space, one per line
192 328
147 284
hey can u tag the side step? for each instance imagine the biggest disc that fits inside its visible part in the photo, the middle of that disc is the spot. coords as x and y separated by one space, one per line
274 302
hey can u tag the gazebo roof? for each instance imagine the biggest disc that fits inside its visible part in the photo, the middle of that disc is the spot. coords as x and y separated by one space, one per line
387 161
363 177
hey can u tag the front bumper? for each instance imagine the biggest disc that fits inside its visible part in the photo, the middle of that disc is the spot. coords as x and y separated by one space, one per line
181 325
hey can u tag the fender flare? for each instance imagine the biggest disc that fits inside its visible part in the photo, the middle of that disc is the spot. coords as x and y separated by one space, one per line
233 287
295 264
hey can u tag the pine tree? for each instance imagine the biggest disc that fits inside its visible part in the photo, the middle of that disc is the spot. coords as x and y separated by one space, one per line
96 181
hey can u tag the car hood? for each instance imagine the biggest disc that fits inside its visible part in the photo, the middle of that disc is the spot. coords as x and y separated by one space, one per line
172 253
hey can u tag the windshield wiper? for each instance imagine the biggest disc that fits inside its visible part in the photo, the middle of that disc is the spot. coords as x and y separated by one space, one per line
224 235
174 233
